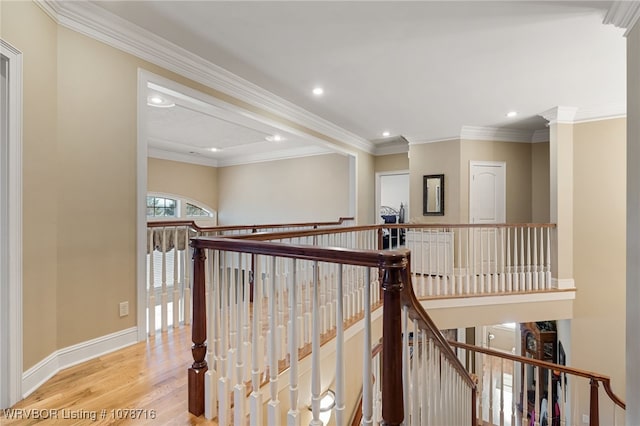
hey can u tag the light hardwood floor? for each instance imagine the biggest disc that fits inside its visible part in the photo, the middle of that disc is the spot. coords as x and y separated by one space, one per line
147 376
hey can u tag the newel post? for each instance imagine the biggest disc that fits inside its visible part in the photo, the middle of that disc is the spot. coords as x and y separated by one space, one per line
594 413
198 335
392 398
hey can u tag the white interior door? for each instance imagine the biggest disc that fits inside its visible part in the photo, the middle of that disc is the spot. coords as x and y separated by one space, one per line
487 192
487 204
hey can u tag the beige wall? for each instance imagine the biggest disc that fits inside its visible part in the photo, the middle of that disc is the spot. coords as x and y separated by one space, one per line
540 182
598 326
429 159
37 41
517 156
199 183
392 162
80 137
297 190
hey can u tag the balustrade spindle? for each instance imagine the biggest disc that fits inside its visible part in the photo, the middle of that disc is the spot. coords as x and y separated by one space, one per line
315 353
525 399
367 397
186 297
536 406
176 284
528 274
256 345
523 282
468 269
151 309
340 370
536 284
548 266
239 390
293 416
495 266
509 267
273 408
516 276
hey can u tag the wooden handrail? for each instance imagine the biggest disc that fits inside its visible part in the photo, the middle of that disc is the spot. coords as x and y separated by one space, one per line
605 380
466 225
192 223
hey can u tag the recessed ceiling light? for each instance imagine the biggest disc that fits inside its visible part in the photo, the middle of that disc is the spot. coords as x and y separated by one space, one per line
385 134
318 91
512 114
274 138
159 101
214 149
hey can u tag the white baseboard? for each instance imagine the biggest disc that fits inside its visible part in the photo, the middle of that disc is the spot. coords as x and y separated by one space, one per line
563 283
63 358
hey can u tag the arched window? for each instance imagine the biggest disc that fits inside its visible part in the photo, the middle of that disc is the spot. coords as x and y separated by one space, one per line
167 206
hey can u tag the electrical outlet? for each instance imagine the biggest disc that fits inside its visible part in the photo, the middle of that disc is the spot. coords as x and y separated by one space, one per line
585 419
124 309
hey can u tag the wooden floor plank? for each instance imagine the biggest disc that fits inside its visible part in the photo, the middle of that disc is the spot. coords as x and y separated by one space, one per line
149 376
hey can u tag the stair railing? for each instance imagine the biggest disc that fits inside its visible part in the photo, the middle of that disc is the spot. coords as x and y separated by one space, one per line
572 395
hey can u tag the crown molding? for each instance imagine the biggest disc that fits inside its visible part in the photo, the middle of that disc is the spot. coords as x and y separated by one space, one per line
541 135
560 115
396 145
420 140
623 14
180 157
102 25
289 154
495 134
601 112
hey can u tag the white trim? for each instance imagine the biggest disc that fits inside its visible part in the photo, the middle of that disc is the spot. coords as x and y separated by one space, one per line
563 283
417 140
75 354
397 145
542 135
97 23
560 115
11 380
623 14
503 299
498 164
182 158
376 213
141 207
306 151
495 134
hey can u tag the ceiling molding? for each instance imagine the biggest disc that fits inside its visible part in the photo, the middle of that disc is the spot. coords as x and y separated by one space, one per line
560 115
623 14
418 140
182 158
396 145
289 154
541 135
99 24
495 134
601 112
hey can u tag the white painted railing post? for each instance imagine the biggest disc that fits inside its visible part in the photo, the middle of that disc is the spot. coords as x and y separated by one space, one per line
367 397
176 282
163 295
315 352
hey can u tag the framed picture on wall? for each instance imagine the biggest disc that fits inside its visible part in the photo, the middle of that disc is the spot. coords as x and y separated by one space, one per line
433 195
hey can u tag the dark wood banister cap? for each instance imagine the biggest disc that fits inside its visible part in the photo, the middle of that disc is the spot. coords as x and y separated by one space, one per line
370 258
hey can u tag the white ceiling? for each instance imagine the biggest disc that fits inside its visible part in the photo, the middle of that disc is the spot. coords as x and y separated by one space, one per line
423 70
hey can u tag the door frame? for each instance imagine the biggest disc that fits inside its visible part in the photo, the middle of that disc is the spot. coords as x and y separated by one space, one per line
378 196
11 236
501 164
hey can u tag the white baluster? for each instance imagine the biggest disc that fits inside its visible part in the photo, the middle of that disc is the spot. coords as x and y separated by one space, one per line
406 390
151 307
535 260
468 269
293 416
502 264
501 392
273 407
516 275
528 276
340 371
481 248
315 353
239 391
509 268
548 268
224 409
256 346
186 297
525 396
367 397
494 269
491 387
176 282
163 295
536 406
211 376
523 282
